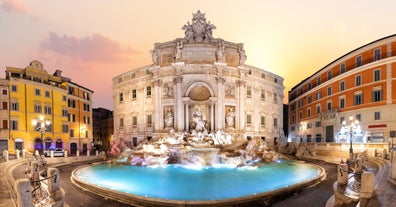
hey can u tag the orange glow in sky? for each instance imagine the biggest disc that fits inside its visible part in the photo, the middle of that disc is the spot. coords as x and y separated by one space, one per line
92 41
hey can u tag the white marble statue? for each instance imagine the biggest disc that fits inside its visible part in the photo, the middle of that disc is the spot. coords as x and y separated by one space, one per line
199 122
230 118
169 118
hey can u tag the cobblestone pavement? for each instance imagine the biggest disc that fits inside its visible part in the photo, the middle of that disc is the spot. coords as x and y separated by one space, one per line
315 196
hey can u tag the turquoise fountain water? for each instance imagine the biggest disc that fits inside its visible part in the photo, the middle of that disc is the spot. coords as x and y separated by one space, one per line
177 182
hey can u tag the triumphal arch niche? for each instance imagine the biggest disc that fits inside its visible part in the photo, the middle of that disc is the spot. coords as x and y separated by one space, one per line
198 83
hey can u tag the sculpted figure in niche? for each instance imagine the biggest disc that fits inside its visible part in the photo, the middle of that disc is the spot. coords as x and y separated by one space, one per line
169 118
220 52
242 55
197 118
230 118
179 48
154 56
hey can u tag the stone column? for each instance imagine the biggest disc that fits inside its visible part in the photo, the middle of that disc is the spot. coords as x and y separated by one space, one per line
88 153
77 153
54 181
220 103
159 119
179 105
17 154
97 153
212 116
241 99
187 126
342 177
24 192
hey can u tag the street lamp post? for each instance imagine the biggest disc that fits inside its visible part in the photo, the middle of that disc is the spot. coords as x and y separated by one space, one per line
41 125
350 127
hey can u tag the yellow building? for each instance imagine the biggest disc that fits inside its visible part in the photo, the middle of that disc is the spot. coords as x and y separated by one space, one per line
33 93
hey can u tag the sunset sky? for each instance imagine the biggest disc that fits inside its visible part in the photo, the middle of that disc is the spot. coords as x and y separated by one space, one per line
92 41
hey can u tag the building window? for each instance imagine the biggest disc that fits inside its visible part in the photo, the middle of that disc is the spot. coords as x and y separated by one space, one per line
300 115
86 107
262 120
148 91
4 92
149 119
329 75
65 128
318 95
14 125
37 108
37 92
342 85
377 54
275 80
47 110
329 91
47 94
318 80
309 99
318 109
5 106
14 106
292 118
262 94
64 113
293 128
72 117
86 120
262 75
64 98
275 122
5 124
358 117
121 97
133 93
342 119
14 88
308 112
121 122
358 99
71 90
342 103
71 103
86 133
377 75
359 61
328 105
342 68
71 132
377 115
248 119
249 92
358 80
309 86
376 95
318 124
134 121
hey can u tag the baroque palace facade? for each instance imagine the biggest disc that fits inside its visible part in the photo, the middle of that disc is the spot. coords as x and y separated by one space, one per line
197 83
359 87
27 94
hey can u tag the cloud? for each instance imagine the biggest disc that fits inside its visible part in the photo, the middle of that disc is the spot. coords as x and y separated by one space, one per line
95 48
17 6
